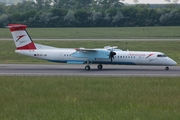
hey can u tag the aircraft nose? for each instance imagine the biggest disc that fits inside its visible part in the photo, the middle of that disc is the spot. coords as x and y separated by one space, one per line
175 63
172 62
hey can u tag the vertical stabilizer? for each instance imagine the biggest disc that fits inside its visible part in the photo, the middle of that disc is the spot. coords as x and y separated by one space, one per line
21 38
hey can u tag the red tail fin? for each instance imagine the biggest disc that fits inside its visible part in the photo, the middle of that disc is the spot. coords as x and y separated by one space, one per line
21 38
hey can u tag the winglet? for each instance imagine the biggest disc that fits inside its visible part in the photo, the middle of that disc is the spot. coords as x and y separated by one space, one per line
21 38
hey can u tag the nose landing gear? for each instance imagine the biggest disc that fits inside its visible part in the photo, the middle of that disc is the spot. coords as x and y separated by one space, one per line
167 68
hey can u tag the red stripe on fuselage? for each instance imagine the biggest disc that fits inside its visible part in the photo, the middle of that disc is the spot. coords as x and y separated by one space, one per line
29 46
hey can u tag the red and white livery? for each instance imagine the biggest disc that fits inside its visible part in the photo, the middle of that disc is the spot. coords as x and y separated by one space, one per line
106 55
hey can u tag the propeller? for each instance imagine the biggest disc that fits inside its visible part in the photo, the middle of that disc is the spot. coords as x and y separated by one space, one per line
111 55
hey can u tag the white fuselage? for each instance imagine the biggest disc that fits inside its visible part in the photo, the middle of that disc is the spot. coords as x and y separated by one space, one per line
121 57
107 55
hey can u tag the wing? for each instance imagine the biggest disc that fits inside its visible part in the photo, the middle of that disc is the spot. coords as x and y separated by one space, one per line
86 50
91 54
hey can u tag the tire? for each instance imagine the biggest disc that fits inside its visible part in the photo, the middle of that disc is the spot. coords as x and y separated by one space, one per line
99 66
166 68
87 68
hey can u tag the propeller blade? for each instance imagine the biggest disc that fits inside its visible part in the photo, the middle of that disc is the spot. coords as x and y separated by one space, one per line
111 55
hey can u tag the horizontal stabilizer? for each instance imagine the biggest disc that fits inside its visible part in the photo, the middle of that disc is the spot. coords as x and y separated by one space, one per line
16 27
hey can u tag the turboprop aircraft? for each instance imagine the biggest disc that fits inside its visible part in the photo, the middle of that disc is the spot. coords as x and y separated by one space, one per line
106 55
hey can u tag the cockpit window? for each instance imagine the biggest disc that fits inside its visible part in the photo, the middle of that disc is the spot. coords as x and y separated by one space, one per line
159 55
162 55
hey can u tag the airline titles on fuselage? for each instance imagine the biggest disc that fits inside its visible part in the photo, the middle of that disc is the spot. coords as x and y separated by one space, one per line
136 54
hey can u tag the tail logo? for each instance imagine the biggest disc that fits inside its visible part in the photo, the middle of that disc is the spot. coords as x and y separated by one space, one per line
19 37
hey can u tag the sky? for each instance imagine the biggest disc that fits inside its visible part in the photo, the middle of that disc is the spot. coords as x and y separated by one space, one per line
148 1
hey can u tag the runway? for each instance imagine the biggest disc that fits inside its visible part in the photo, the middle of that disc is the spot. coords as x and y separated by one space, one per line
78 70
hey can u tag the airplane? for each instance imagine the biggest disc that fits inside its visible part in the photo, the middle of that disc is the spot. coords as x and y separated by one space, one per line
107 55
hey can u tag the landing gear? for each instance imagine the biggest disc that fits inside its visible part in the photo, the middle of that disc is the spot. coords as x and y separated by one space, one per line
99 66
167 68
87 67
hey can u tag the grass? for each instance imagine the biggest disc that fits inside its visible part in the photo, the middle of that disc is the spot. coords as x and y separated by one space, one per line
89 98
170 48
100 33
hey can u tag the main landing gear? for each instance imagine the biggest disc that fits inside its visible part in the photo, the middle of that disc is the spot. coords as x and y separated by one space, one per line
167 68
99 66
87 67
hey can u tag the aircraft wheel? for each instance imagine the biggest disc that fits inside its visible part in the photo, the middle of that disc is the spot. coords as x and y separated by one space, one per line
99 66
167 68
87 67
